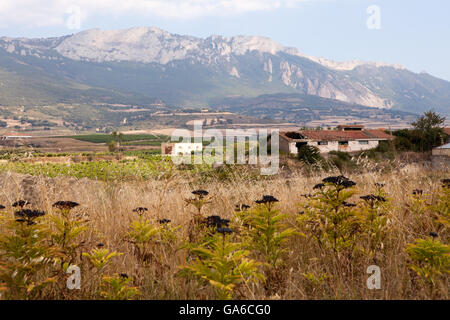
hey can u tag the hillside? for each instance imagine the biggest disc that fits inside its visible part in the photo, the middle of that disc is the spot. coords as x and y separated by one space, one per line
142 65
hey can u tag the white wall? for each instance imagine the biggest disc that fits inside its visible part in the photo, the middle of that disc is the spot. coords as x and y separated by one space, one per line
352 146
186 148
289 147
331 146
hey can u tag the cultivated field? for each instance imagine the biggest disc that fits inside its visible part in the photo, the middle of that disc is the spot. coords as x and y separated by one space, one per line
301 243
86 143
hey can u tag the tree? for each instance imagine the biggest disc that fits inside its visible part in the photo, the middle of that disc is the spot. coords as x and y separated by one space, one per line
112 146
309 155
429 131
120 138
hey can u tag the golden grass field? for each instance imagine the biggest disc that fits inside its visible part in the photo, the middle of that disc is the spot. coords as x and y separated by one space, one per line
306 271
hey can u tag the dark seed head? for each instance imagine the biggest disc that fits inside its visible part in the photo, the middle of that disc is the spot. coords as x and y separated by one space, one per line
434 234
20 203
318 186
65 205
445 183
164 221
417 192
140 210
2 207
267 200
339 181
224 231
379 185
372 198
124 275
200 193
100 245
212 221
242 207
216 221
348 205
28 215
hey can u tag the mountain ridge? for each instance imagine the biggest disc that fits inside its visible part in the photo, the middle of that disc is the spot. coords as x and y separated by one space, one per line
247 41
155 63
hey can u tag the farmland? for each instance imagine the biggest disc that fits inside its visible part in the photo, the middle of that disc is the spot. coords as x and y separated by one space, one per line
105 138
85 143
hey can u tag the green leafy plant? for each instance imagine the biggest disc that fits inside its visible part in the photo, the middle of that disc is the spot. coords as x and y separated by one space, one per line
430 260
100 258
67 231
441 208
201 198
168 232
418 203
25 255
373 213
310 155
223 264
118 287
142 234
328 217
96 283
266 235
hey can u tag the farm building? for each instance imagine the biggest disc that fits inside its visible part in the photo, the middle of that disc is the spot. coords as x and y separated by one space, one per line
181 148
348 138
441 156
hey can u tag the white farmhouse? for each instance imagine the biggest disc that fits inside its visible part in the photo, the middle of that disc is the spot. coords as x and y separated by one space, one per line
348 138
182 148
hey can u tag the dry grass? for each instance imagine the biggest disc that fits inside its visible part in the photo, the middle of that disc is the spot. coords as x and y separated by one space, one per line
109 206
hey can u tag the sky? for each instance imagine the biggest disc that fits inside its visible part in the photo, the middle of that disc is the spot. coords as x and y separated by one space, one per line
413 33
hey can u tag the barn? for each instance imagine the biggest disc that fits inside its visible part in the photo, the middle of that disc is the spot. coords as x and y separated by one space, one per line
346 138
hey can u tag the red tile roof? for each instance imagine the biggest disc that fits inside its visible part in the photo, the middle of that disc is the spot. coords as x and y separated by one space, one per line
447 131
336 135
379 134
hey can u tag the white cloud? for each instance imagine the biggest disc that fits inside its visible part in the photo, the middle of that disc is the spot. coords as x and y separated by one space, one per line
54 12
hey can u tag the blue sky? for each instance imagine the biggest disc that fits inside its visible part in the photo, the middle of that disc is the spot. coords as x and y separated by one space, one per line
413 33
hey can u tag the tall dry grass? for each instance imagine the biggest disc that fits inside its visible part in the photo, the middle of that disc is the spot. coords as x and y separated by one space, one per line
108 206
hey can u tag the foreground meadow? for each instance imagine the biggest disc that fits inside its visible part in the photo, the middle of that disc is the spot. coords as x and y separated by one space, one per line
178 235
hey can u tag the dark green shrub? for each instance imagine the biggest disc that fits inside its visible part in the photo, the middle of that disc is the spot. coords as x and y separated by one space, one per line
309 155
342 160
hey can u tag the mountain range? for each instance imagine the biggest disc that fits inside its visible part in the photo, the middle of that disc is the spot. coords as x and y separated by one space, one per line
146 65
